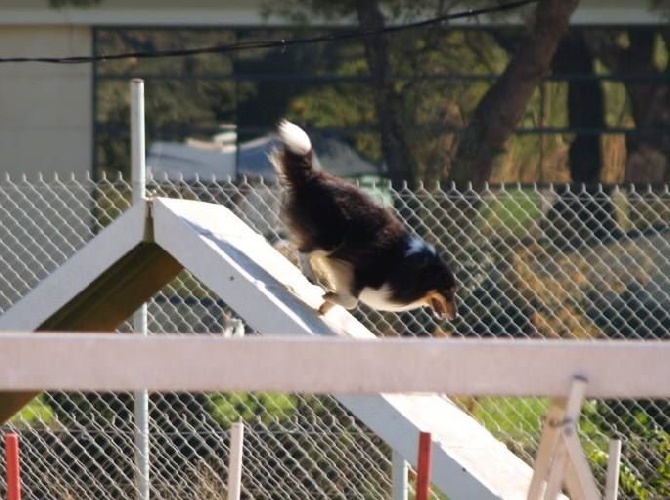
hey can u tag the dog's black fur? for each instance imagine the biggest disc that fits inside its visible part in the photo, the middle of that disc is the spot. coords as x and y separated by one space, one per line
366 252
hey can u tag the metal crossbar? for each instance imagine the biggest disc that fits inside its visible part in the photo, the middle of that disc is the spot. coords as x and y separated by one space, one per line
321 365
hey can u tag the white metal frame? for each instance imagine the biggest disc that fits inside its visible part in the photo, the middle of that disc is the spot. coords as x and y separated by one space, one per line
560 459
235 461
335 365
139 181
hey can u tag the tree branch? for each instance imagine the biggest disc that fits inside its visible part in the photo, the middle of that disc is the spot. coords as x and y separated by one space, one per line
388 101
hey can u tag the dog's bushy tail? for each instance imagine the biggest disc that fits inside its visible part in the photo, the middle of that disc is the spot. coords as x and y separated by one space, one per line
293 160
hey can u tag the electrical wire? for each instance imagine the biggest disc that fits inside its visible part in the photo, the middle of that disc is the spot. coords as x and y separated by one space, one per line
265 44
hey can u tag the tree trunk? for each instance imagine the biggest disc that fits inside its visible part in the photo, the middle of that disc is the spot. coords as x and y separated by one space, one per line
648 147
387 100
584 212
500 110
586 108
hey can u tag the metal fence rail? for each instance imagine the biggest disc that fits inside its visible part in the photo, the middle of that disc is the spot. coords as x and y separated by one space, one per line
533 261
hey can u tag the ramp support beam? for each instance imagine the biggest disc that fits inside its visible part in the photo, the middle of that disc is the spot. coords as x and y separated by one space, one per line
560 459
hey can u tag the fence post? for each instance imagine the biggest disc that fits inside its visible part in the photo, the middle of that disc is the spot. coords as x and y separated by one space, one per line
235 461
138 179
613 469
424 466
399 476
13 466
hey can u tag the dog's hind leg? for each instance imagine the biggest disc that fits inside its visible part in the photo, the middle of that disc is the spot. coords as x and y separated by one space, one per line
339 276
306 266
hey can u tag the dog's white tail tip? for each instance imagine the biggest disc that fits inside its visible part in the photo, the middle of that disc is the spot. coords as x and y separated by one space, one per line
296 139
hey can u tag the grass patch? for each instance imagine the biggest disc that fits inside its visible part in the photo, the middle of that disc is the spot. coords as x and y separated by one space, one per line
515 421
34 413
265 406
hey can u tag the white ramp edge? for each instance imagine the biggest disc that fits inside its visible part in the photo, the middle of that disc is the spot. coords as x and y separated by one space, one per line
78 272
273 296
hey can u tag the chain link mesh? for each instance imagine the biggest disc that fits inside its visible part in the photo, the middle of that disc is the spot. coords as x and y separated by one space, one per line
533 261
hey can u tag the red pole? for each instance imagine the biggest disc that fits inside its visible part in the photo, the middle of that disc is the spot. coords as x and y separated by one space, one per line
13 466
424 466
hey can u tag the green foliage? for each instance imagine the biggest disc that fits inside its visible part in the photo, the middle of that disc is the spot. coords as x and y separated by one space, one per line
179 100
420 60
661 5
184 97
34 414
263 407
645 467
192 96
515 421
302 11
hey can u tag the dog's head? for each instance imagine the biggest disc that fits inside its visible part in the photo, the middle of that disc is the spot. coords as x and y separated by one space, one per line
441 285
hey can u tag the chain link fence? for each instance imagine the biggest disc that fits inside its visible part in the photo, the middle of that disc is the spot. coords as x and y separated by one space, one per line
532 261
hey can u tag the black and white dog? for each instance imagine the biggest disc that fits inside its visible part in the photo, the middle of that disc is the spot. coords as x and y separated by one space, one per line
366 252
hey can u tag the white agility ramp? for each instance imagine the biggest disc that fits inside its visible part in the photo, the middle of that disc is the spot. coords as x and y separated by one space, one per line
128 262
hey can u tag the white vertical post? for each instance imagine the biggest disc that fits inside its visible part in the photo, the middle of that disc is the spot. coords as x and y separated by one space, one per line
399 476
138 179
235 461
137 145
613 470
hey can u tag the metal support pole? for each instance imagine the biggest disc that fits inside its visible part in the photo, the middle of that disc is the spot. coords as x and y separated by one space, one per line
235 461
424 466
560 459
399 476
613 470
138 179
13 466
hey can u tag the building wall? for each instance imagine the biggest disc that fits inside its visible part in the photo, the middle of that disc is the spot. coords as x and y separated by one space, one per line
45 109
136 12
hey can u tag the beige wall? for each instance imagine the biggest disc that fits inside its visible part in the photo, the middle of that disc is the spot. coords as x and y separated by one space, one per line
135 12
45 109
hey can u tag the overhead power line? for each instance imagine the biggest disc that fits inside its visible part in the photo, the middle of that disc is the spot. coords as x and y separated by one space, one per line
265 44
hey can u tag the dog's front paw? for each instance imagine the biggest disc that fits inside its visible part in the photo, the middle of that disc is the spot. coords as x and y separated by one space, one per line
331 299
325 307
